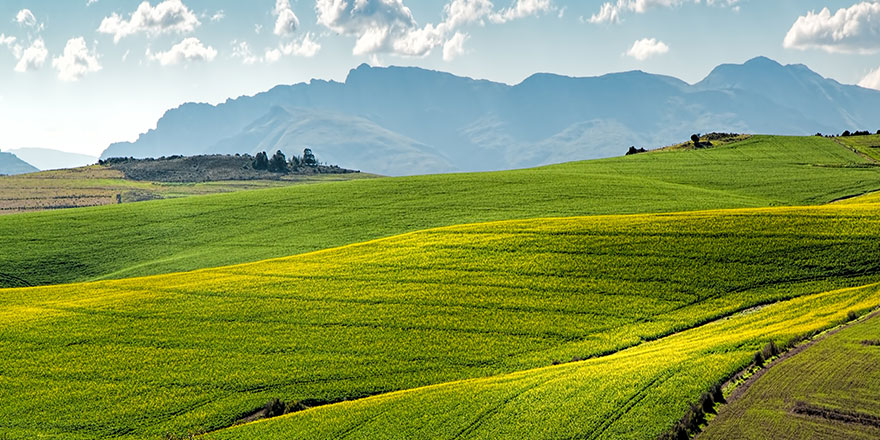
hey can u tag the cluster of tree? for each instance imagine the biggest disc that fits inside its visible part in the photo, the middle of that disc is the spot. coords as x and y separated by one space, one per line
847 133
695 138
278 163
633 150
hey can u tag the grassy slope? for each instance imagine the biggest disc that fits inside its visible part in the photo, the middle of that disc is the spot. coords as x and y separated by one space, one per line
867 145
839 373
173 235
186 352
637 393
97 186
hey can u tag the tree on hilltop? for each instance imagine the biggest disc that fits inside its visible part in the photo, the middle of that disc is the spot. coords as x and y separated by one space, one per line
308 158
278 163
261 161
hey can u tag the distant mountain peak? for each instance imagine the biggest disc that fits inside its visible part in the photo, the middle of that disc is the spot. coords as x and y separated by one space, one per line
762 61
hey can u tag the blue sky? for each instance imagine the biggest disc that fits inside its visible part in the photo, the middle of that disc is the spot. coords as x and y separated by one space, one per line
76 75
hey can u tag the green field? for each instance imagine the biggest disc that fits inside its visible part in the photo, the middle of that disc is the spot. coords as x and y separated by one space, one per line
165 236
634 394
192 352
866 145
829 391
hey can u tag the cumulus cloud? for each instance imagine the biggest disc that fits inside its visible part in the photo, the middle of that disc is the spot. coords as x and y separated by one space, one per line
871 80
188 50
305 47
612 12
647 48
286 21
76 61
166 17
454 47
219 15
26 18
849 30
8 41
241 50
522 9
31 58
461 12
388 26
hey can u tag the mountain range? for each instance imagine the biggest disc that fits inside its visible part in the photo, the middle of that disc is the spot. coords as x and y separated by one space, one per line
406 120
10 164
50 159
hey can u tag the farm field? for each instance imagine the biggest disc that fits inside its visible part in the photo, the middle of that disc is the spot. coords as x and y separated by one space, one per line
867 145
828 391
97 186
166 236
193 352
635 393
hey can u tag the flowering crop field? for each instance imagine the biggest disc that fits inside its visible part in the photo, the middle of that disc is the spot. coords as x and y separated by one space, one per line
163 236
460 324
635 393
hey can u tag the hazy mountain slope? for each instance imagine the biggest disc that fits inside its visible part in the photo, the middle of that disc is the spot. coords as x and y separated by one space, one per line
49 159
10 164
440 122
347 141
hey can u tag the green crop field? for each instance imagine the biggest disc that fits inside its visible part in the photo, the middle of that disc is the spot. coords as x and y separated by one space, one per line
191 352
829 391
165 236
867 145
634 394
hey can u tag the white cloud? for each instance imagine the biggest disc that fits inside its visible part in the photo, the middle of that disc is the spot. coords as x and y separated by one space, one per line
241 49
388 26
91 2
190 49
31 58
219 15
286 21
871 80
304 47
522 9
76 61
7 41
166 17
26 18
611 12
849 30
272 55
461 12
647 48
454 46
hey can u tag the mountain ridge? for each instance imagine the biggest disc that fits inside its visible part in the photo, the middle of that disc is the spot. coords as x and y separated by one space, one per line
440 122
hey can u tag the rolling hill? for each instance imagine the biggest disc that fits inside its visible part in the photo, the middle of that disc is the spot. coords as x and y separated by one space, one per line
175 235
438 122
654 302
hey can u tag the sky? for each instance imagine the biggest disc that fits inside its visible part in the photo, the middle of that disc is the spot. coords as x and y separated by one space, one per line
77 75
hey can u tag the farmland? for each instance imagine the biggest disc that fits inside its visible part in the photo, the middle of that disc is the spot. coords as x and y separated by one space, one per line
97 186
651 300
636 393
828 391
164 236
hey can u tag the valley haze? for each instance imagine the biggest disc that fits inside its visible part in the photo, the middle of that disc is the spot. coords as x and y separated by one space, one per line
408 120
